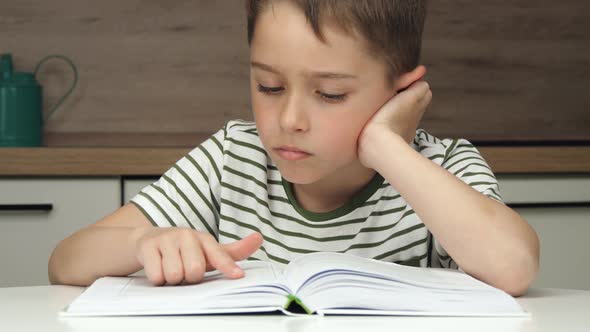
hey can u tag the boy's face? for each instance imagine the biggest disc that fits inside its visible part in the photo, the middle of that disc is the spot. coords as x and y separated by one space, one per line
312 96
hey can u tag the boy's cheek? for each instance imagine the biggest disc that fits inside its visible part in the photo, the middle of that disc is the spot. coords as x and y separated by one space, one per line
265 132
341 133
263 116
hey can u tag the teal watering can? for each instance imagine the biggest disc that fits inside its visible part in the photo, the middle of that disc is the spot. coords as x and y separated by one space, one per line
21 104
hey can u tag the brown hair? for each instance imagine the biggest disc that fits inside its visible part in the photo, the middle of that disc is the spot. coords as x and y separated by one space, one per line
391 28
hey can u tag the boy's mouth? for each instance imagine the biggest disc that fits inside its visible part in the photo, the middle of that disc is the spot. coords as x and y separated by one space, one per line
288 152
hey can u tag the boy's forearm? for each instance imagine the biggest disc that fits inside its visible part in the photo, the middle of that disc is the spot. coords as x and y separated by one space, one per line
485 238
91 253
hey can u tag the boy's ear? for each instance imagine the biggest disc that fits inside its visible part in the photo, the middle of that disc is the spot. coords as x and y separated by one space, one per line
406 79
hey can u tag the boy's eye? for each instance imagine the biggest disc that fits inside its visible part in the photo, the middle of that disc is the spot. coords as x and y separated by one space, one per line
331 97
269 90
327 96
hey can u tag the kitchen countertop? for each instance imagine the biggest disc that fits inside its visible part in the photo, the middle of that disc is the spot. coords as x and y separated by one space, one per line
61 161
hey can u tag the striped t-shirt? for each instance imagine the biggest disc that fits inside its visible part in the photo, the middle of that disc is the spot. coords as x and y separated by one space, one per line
229 187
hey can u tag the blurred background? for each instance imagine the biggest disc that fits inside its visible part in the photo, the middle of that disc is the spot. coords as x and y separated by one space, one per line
169 73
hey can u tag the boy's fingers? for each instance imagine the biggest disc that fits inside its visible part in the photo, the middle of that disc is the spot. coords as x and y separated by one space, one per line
218 259
419 89
193 261
427 98
152 265
244 248
412 95
172 264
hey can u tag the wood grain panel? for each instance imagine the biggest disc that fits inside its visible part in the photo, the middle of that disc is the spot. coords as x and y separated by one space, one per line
146 67
59 161
160 73
509 70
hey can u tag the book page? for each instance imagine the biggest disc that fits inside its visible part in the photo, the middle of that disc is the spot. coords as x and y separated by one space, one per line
306 268
334 282
136 295
417 301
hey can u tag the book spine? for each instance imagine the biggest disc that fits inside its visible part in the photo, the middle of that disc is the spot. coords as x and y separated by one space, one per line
295 305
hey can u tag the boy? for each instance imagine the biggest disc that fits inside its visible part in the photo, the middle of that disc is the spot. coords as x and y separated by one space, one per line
334 162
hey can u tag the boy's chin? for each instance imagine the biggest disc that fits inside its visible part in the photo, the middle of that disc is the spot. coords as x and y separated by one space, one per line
298 177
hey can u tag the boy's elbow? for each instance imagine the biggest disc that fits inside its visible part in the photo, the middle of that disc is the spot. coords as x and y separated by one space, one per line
54 279
53 269
517 287
525 266
58 275
523 273
58 269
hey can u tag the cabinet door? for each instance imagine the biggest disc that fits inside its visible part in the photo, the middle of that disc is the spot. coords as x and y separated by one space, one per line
36 213
558 208
565 252
132 187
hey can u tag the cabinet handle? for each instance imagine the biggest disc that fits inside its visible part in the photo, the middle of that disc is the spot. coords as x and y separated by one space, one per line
26 207
549 205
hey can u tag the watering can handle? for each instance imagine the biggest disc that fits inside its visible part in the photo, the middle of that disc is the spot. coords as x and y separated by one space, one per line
54 108
6 65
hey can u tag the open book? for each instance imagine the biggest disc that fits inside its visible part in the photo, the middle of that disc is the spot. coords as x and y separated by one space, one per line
317 283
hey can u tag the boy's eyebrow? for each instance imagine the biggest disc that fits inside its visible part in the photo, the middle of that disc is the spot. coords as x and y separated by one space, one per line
316 74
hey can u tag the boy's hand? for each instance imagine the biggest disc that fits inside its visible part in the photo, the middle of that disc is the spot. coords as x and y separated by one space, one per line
400 115
173 255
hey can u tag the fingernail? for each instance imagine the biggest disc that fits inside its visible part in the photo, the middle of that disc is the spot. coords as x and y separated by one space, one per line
237 272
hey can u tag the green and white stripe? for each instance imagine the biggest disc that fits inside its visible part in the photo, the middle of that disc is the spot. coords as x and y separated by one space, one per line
229 187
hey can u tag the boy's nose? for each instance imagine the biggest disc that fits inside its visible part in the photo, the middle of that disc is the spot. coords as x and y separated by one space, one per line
293 116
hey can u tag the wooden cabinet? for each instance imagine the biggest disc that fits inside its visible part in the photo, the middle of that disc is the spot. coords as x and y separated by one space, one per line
36 213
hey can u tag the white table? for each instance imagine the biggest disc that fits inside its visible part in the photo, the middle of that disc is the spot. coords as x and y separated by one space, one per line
36 308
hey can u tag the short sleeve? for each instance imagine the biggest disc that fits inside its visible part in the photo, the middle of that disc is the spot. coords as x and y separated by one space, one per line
188 194
464 160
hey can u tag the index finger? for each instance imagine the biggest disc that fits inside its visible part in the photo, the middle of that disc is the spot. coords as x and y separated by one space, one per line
218 259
